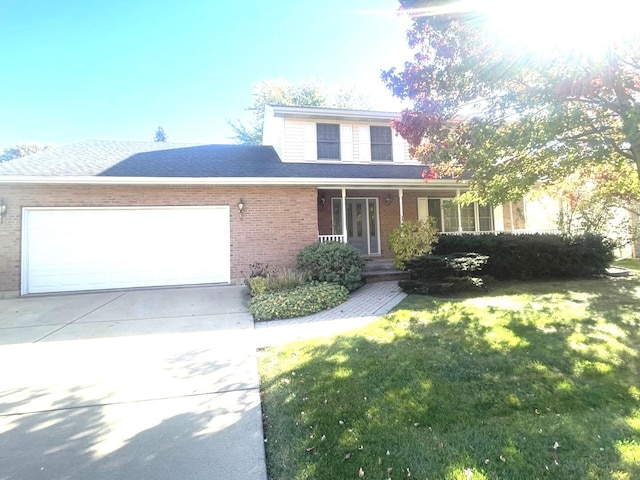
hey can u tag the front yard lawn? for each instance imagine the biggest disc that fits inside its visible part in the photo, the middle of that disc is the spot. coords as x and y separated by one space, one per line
531 381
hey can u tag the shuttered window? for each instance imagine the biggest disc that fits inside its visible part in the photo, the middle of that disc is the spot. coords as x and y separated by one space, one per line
381 144
328 135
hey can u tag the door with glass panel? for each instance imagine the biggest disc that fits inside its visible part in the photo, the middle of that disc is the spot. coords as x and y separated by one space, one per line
362 223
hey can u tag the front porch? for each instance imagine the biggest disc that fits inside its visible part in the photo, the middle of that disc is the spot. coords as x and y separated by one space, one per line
365 218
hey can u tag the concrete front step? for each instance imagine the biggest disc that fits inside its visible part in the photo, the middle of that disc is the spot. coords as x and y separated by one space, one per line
385 276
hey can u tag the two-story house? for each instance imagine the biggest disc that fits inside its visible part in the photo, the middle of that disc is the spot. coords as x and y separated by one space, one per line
110 214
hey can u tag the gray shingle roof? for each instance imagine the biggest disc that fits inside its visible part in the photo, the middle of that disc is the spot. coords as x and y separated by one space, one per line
103 158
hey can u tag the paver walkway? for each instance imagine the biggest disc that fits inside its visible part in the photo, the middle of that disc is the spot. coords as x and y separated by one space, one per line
362 307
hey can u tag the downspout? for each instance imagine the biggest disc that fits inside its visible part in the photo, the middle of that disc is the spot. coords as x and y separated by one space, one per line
400 197
344 215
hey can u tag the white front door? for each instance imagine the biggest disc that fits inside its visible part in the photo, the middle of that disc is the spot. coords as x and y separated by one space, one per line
72 249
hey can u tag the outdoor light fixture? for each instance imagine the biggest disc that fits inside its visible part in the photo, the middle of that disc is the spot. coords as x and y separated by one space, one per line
3 210
322 200
388 200
241 206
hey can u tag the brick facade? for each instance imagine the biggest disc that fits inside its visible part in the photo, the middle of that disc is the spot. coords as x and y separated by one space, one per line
277 221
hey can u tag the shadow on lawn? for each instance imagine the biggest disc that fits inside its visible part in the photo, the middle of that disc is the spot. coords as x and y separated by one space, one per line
539 392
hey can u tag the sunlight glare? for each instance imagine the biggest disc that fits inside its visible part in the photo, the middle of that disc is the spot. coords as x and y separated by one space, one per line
568 26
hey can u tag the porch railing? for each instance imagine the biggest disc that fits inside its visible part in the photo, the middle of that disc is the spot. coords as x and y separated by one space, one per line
331 238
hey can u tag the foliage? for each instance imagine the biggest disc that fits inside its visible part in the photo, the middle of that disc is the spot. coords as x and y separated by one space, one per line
412 239
308 93
22 150
537 380
278 281
258 269
436 274
332 262
160 135
506 116
632 264
301 301
600 199
534 256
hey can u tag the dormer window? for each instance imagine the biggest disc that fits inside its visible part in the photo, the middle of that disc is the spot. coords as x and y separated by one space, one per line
381 144
328 135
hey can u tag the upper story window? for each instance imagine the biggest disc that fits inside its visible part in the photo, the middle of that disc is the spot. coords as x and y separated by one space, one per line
328 135
381 144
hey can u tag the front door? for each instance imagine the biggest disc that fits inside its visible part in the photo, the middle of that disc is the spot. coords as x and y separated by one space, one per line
362 223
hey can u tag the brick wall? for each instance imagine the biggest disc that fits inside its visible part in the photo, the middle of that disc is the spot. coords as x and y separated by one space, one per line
276 224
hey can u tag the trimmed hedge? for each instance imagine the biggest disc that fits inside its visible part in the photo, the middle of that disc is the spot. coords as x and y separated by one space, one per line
332 262
533 256
300 301
412 239
436 274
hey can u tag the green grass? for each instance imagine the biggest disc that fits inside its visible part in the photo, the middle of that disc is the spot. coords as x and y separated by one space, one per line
534 380
630 263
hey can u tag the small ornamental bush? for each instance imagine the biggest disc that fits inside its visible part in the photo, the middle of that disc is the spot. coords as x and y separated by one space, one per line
300 301
332 262
412 239
533 256
277 281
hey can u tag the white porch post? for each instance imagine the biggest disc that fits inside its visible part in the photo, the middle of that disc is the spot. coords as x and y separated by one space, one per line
400 196
344 215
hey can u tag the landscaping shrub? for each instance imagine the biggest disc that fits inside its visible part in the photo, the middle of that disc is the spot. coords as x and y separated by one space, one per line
440 266
277 281
438 274
332 262
533 256
411 240
303 300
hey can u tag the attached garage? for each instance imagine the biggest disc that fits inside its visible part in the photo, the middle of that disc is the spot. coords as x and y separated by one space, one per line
72 249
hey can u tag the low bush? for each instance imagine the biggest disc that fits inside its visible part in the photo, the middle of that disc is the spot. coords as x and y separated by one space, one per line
439 266
533 256
438 274
412 239
277 281
303 300
332 262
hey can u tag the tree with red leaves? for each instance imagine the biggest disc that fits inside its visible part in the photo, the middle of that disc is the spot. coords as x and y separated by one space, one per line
511 119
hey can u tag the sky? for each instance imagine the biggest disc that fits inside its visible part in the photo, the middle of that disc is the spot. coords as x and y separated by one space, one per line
95 69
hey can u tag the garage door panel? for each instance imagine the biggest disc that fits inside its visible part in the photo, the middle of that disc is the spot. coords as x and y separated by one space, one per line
88 249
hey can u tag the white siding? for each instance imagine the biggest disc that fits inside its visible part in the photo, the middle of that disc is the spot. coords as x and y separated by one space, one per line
364 143
346 143
398 148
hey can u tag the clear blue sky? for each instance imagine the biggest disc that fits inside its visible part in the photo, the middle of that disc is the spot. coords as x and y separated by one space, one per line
116 69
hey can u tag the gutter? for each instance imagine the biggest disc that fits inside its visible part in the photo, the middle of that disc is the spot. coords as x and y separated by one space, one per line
229 181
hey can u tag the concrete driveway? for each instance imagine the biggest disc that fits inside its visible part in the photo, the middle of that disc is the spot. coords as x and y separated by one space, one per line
158 384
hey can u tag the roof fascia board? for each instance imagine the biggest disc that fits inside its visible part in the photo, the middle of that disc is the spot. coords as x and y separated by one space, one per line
230 181
334 113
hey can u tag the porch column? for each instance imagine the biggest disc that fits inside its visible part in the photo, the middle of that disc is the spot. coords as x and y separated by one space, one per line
511 215
344 215
400 196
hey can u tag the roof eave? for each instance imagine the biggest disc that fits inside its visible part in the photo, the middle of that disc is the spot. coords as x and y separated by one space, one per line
229 181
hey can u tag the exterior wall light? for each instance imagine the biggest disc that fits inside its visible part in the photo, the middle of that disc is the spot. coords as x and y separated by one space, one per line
241 206
388 200
322 200
3 210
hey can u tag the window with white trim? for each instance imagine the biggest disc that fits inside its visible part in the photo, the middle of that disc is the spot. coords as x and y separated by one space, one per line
381 144
328 138
449 216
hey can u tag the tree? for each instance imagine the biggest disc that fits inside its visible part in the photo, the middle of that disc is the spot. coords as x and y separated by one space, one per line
308 93
511 119
160 136
21 150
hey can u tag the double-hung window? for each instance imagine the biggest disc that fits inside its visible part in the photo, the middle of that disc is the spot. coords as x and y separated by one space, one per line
328 135
381 144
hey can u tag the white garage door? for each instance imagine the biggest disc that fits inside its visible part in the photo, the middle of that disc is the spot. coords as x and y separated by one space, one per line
73 249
